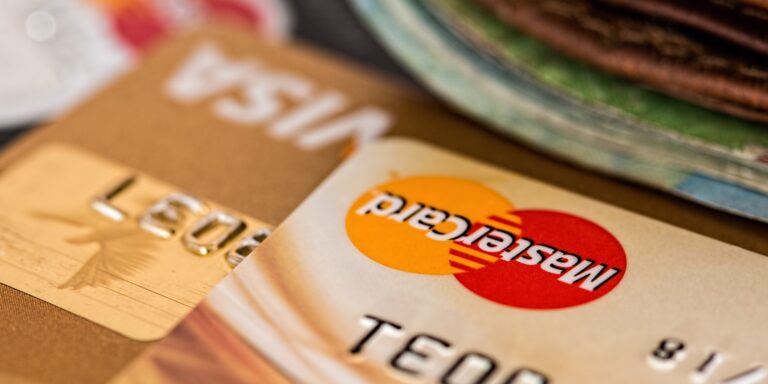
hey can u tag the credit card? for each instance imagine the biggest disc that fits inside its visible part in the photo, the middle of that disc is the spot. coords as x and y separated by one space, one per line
55 53
117 247
250 127
414 264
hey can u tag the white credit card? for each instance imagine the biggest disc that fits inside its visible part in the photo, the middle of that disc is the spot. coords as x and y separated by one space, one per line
413 264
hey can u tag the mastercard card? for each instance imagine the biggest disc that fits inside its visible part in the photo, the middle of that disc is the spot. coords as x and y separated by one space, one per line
414 264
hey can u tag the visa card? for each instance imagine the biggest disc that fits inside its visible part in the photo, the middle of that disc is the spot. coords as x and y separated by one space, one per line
414 264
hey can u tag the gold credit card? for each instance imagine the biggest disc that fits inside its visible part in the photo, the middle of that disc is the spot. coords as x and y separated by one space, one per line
248 127
414 264
211 129
117 247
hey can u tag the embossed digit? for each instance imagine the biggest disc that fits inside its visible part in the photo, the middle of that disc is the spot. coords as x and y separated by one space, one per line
666 355
246 246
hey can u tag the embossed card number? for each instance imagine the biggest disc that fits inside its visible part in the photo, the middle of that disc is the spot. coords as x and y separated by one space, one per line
209 233
114 246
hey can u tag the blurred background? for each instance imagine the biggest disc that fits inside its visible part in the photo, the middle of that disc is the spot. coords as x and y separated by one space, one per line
328 24
670 94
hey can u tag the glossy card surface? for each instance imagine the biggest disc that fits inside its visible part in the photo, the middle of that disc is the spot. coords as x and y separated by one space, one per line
411 263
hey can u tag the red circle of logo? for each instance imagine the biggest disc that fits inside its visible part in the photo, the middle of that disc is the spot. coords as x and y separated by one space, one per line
568 261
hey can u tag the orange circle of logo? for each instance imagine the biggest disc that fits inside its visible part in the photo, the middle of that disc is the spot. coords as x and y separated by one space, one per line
407 224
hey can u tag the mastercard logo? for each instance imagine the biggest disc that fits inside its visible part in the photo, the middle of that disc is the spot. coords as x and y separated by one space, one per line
525 258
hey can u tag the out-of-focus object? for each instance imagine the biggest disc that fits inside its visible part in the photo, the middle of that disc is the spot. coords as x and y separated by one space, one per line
710 53
53 53
528 91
